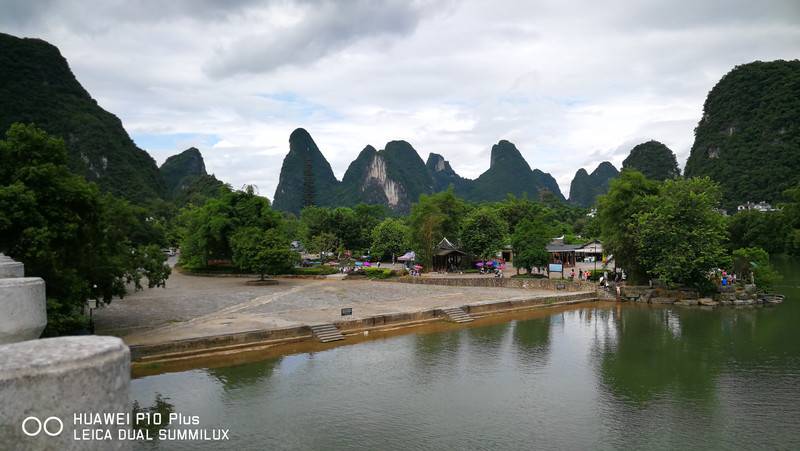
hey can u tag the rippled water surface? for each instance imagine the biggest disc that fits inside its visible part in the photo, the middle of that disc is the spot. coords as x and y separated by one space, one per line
606 377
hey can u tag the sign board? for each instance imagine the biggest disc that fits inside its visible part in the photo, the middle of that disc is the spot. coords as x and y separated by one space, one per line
347 311
556 267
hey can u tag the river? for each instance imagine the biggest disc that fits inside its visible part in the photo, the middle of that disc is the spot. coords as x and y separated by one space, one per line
595 377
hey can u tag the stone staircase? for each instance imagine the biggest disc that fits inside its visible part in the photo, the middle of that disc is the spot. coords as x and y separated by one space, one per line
457 315
326 333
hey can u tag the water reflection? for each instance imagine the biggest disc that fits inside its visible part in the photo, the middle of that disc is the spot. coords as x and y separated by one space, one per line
152 418
238 376
605 376
532 341
655 352
682 351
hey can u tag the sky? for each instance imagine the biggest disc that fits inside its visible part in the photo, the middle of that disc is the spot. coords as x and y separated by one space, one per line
572 83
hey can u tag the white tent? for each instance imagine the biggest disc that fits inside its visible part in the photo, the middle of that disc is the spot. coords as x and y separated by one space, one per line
407 257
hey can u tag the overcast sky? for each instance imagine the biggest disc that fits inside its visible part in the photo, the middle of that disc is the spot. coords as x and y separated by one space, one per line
571 83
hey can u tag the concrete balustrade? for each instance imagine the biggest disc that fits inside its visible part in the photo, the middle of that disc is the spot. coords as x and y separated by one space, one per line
10 268
61 377
23 310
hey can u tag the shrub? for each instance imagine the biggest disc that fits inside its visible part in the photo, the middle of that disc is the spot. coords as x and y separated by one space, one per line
529 276
378 273
752 263
596 274
323 270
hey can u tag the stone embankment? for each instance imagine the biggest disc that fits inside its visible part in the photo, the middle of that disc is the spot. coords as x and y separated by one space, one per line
226 343
738 295
502 282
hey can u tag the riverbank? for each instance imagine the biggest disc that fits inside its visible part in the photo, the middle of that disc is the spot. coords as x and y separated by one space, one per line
194 315
257 346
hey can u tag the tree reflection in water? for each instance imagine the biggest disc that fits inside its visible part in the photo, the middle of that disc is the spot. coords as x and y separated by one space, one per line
531 340
248 374
157 417
681 352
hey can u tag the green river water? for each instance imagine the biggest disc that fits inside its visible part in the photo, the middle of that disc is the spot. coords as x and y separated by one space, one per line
596 377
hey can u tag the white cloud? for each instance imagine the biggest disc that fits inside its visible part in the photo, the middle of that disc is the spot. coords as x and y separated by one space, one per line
571 84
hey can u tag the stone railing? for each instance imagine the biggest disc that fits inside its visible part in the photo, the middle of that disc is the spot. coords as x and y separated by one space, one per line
23 312
44 383
501 282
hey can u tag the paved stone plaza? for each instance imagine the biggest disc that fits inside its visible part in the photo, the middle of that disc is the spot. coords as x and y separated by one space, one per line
193 306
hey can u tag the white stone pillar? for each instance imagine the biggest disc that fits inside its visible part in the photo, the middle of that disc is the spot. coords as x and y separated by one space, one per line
10 268
58 378
23 310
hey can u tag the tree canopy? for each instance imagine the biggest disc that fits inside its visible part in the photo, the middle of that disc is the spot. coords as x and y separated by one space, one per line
207 230
484 232
390 238
530 240
616 213
262 251
82 242
679 235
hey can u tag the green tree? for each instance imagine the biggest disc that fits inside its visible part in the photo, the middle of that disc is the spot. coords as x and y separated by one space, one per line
324 242
529 242
369 216
681 236
768 230
752 264
206 230
484 232
262 251
434 217
81 242
426 230
347 227
315 220
626 197
390 237
515 210
791 215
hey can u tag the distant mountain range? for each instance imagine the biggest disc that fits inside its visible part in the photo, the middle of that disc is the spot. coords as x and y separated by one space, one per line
748 140
396 176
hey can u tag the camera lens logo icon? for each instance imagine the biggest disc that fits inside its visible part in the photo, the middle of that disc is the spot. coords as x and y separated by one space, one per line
51 426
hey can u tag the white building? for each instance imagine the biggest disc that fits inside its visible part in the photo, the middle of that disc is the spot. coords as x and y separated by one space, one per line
760 206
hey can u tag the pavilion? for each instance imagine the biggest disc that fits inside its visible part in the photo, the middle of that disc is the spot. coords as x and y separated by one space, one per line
569 254
447 257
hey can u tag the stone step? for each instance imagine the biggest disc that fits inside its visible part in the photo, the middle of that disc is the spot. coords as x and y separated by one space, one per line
457 315
326 333
324 329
